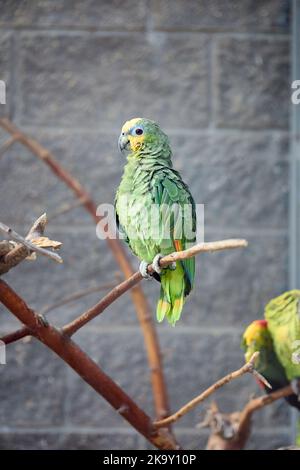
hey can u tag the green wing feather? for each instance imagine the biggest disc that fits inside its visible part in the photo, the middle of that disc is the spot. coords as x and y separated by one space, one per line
169 189
120 228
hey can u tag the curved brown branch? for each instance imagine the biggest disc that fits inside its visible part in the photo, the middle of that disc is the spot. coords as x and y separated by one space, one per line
138 297
249 367
90 372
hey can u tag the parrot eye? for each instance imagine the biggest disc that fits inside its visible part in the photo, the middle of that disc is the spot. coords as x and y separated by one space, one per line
138 131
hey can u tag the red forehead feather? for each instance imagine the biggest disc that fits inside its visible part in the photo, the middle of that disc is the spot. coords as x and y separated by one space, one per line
262 323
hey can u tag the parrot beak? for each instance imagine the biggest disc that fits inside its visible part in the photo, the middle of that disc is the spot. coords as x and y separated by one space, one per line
124 143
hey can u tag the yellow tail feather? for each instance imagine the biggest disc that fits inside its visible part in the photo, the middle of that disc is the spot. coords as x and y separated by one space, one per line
172 295
163 309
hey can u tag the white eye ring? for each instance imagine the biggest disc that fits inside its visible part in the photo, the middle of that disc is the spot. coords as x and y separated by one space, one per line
138 131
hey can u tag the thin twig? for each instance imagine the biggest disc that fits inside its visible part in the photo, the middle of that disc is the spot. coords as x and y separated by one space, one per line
7 145
12 235
16 335
76 296
67 208
262 379
100 306
204 395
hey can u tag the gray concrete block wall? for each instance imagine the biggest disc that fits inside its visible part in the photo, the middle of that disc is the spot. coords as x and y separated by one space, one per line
215 74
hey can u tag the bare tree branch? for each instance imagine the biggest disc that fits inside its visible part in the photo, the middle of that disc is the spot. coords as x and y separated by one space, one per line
119 290
88 370
249 367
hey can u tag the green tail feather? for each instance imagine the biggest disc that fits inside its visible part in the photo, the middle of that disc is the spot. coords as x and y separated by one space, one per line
172 297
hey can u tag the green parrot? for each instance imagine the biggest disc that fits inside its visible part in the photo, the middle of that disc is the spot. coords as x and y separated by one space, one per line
155 212
283 317
258 337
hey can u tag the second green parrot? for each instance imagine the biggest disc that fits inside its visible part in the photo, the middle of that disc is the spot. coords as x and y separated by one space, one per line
277 338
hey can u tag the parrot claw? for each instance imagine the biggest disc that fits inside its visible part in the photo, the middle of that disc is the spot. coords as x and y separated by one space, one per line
155 263
144 271
295 384
172 266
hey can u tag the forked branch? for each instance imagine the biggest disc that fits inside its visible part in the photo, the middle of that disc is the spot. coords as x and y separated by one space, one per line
231 431
12 253
247 368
